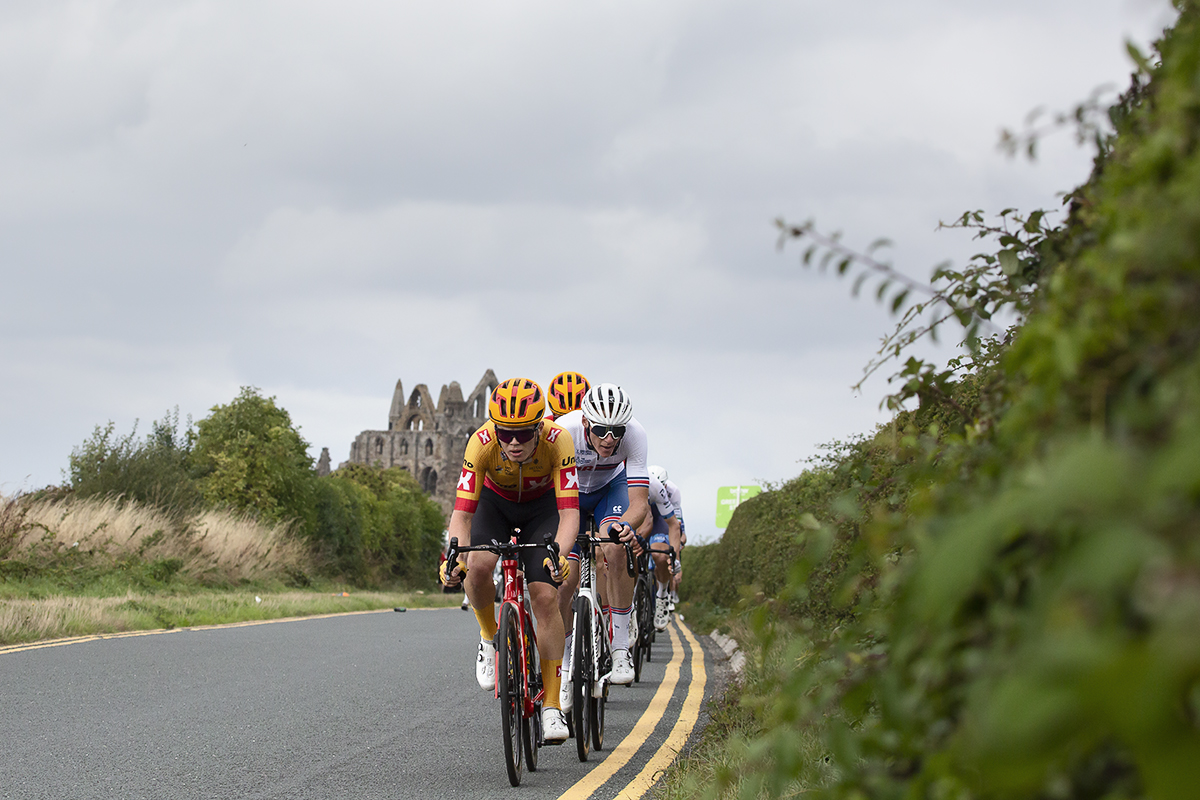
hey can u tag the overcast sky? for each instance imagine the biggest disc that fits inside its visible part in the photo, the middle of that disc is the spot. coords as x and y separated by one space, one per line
317 199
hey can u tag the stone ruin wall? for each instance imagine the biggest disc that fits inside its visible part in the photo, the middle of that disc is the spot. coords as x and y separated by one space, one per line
425 438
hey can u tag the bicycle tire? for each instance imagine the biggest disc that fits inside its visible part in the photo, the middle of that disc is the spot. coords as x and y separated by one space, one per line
635 636
581 677
531 726
645 625
508 674
597 703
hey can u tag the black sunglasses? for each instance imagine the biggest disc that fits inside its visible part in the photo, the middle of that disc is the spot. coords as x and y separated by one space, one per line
602 431
521 436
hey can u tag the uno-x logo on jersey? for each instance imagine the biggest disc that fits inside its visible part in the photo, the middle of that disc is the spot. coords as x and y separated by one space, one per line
466 482
552 434
530 484
569 479
484 436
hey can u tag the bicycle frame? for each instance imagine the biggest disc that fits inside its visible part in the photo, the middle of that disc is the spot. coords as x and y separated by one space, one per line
591 662
515 601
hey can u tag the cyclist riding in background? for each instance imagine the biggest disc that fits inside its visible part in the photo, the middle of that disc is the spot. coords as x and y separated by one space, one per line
677 501
518 471
665 529
610 451
565 393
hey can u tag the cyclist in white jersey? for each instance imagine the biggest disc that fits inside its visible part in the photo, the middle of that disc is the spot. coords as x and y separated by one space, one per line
613 484
676 501
664 527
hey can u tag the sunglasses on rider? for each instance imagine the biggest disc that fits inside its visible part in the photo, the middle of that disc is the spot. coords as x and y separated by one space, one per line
602 431
520 435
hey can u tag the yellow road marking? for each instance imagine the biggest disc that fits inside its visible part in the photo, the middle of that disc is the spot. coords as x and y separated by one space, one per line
19 648
688 716
586 786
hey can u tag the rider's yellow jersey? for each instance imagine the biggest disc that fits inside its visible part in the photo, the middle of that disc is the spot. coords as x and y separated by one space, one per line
552 465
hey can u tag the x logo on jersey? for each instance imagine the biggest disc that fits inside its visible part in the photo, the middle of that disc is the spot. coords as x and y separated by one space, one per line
570 479
466 481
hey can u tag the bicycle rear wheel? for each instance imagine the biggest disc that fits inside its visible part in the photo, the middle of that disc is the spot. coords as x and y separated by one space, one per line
531 726
581 677
509 679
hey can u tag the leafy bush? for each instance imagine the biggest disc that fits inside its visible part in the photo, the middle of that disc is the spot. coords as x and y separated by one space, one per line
1018 608
154 470
378 522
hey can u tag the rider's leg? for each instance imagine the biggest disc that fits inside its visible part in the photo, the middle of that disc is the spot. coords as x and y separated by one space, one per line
481 591
543 597
566 596
620 594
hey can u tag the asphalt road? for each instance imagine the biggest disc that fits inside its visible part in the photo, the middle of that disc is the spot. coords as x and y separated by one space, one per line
379 705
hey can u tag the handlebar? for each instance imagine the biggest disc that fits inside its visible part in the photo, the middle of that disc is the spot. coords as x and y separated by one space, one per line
508 549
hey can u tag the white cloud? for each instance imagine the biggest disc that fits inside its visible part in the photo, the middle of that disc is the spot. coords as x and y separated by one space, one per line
319 199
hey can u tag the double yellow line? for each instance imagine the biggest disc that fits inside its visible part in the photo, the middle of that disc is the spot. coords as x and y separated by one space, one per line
624 752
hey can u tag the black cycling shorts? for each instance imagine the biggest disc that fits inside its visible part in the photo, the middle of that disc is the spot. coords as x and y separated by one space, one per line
495 517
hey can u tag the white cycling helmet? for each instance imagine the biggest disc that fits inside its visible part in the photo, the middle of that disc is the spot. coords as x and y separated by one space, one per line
660 473
607 404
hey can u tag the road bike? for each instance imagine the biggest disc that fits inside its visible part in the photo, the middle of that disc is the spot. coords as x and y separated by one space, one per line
641 620
591 660
518 669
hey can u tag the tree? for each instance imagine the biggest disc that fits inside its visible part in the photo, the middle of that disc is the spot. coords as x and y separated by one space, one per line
250 457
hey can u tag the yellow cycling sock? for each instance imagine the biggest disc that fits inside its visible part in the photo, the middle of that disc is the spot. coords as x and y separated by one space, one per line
552 680
487 620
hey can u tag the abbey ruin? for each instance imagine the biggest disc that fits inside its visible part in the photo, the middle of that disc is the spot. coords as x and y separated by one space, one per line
427 439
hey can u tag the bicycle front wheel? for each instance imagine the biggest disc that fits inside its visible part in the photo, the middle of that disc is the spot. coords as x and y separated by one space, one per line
509 680
531 727
581 677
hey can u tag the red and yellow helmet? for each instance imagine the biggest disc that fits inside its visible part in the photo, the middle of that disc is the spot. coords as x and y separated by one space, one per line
517 403
566 392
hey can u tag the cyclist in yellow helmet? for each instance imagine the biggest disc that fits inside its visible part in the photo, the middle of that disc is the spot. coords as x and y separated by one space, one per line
518 471
565 393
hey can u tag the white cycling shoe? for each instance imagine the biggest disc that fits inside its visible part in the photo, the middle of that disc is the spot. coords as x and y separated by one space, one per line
622 668
485 665
554 725
566 696
662 617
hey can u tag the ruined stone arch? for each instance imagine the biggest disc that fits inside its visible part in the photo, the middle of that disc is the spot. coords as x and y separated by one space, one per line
429 447
477 402
429 480
417 413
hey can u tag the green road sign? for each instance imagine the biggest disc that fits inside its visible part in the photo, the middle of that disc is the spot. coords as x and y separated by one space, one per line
729 498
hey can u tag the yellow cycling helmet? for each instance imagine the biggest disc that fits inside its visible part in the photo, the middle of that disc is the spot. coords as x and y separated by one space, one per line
517 403
566 391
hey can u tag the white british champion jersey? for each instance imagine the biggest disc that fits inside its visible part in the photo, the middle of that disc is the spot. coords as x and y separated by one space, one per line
660 498
594 472
676 499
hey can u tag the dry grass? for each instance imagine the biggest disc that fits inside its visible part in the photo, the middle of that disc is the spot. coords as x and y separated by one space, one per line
71 567
212 545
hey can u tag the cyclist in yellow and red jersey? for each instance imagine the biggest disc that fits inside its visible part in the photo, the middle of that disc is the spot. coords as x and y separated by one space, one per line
519 471
565 393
